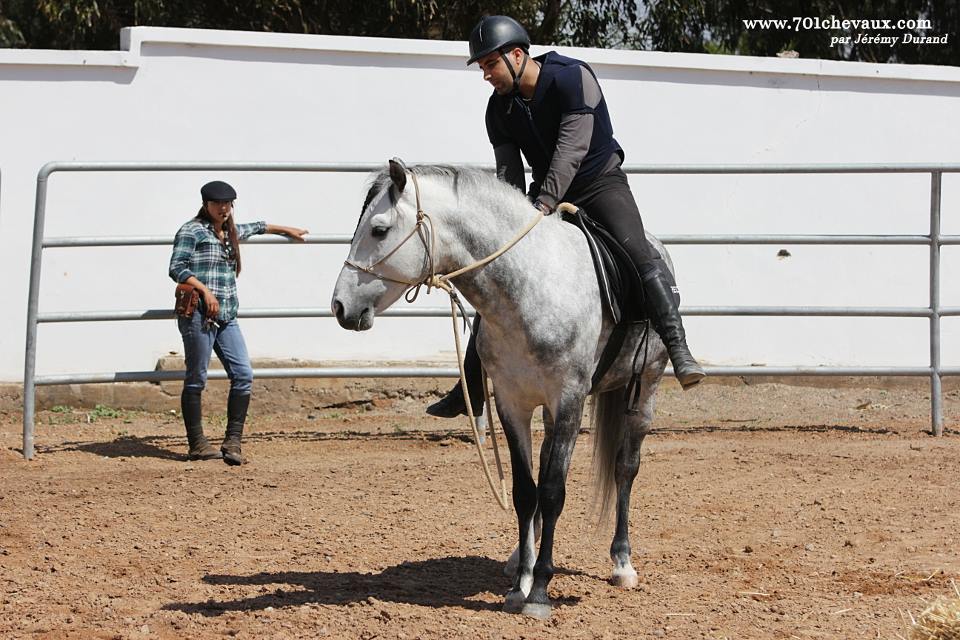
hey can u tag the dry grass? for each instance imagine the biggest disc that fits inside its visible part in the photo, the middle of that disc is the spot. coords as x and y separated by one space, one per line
940 620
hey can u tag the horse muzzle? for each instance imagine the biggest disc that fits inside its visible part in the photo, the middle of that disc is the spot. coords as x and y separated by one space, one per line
359 319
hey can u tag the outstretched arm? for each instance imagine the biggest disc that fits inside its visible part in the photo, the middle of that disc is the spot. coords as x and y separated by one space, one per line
291 232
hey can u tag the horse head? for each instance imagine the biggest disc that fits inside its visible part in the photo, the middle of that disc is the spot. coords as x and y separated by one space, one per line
388 254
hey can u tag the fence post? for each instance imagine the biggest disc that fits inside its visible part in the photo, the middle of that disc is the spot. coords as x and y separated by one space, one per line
33 303
936 389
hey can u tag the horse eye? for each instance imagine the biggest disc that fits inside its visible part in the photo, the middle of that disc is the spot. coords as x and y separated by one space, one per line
379 232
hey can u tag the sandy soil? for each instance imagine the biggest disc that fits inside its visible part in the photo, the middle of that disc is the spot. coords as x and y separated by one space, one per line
761 511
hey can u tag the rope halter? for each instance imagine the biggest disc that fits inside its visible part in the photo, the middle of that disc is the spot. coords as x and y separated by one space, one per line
426 231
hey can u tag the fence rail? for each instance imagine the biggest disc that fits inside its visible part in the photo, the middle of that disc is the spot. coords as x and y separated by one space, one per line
934 240
440 312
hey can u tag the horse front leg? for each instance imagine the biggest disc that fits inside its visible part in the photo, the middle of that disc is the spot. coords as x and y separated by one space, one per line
555 459
516 427
514 561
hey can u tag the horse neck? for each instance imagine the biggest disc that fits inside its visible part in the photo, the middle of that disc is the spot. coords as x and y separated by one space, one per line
471 234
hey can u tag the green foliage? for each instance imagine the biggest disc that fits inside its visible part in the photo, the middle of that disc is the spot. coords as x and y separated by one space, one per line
705 26
716 26
103 411
10 34
62 414
95 24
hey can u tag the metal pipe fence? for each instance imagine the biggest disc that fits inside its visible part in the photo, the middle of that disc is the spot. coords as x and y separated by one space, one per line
934 240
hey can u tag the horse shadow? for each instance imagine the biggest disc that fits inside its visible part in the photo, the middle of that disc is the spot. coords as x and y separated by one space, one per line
436 582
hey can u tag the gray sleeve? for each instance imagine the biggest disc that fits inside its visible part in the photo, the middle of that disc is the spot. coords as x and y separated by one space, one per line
573 142
509 164
591 88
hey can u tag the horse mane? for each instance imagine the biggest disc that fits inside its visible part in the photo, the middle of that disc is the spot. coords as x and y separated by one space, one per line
460 176
483 184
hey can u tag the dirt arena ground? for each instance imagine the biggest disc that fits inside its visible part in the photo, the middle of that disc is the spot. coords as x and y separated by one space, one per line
761 511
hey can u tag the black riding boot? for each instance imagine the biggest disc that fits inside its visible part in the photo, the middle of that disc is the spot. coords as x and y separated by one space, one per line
237 405
200 447
663 312
452 404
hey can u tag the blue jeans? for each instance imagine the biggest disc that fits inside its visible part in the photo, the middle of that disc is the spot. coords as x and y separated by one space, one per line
200 339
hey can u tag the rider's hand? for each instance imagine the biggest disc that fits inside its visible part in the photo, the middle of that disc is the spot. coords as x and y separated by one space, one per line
542 207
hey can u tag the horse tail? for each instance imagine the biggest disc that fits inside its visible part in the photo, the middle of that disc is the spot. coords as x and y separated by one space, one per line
608 423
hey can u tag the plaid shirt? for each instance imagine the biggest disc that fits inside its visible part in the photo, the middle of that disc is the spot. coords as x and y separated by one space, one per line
198 252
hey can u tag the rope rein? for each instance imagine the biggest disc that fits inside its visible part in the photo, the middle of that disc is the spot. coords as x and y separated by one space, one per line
425 229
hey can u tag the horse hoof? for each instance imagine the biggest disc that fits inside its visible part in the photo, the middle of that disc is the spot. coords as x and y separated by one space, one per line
625 580
537 610
514 602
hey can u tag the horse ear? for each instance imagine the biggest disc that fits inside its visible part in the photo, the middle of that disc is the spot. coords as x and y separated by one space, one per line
398 173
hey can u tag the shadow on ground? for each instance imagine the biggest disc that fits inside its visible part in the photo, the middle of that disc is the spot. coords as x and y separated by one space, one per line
437 582
169 447
166 447
126 447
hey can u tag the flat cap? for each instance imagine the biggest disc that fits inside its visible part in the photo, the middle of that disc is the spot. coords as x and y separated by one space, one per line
217 190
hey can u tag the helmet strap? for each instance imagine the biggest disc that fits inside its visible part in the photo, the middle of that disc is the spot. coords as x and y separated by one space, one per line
516 76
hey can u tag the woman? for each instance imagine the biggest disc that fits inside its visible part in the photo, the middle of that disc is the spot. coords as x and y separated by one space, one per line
206 255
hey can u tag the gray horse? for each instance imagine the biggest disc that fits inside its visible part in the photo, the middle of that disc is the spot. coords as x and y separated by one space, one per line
542 336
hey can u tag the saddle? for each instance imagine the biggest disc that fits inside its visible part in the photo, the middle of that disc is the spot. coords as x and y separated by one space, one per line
621 290
620 286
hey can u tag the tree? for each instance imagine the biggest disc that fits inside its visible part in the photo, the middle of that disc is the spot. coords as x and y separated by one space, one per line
718 26
703 26
95 24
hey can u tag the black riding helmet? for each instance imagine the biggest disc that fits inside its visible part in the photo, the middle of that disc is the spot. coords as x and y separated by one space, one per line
500 33
496 32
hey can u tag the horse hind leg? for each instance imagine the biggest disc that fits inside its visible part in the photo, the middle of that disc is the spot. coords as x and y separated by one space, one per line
618 439
628 463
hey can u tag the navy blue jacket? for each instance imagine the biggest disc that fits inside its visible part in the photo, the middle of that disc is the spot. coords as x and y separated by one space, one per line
533 125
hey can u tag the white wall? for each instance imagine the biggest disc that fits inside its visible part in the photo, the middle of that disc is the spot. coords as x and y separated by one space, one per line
195 95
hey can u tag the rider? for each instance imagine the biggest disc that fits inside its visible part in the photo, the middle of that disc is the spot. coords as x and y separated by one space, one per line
552 110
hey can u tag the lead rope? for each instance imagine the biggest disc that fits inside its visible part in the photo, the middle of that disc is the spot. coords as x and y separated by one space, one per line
500 495
443 282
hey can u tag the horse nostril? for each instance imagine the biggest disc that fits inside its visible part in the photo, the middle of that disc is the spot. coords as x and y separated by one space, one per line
337 309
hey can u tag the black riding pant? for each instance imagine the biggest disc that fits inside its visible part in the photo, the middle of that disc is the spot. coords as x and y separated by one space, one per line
609 201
